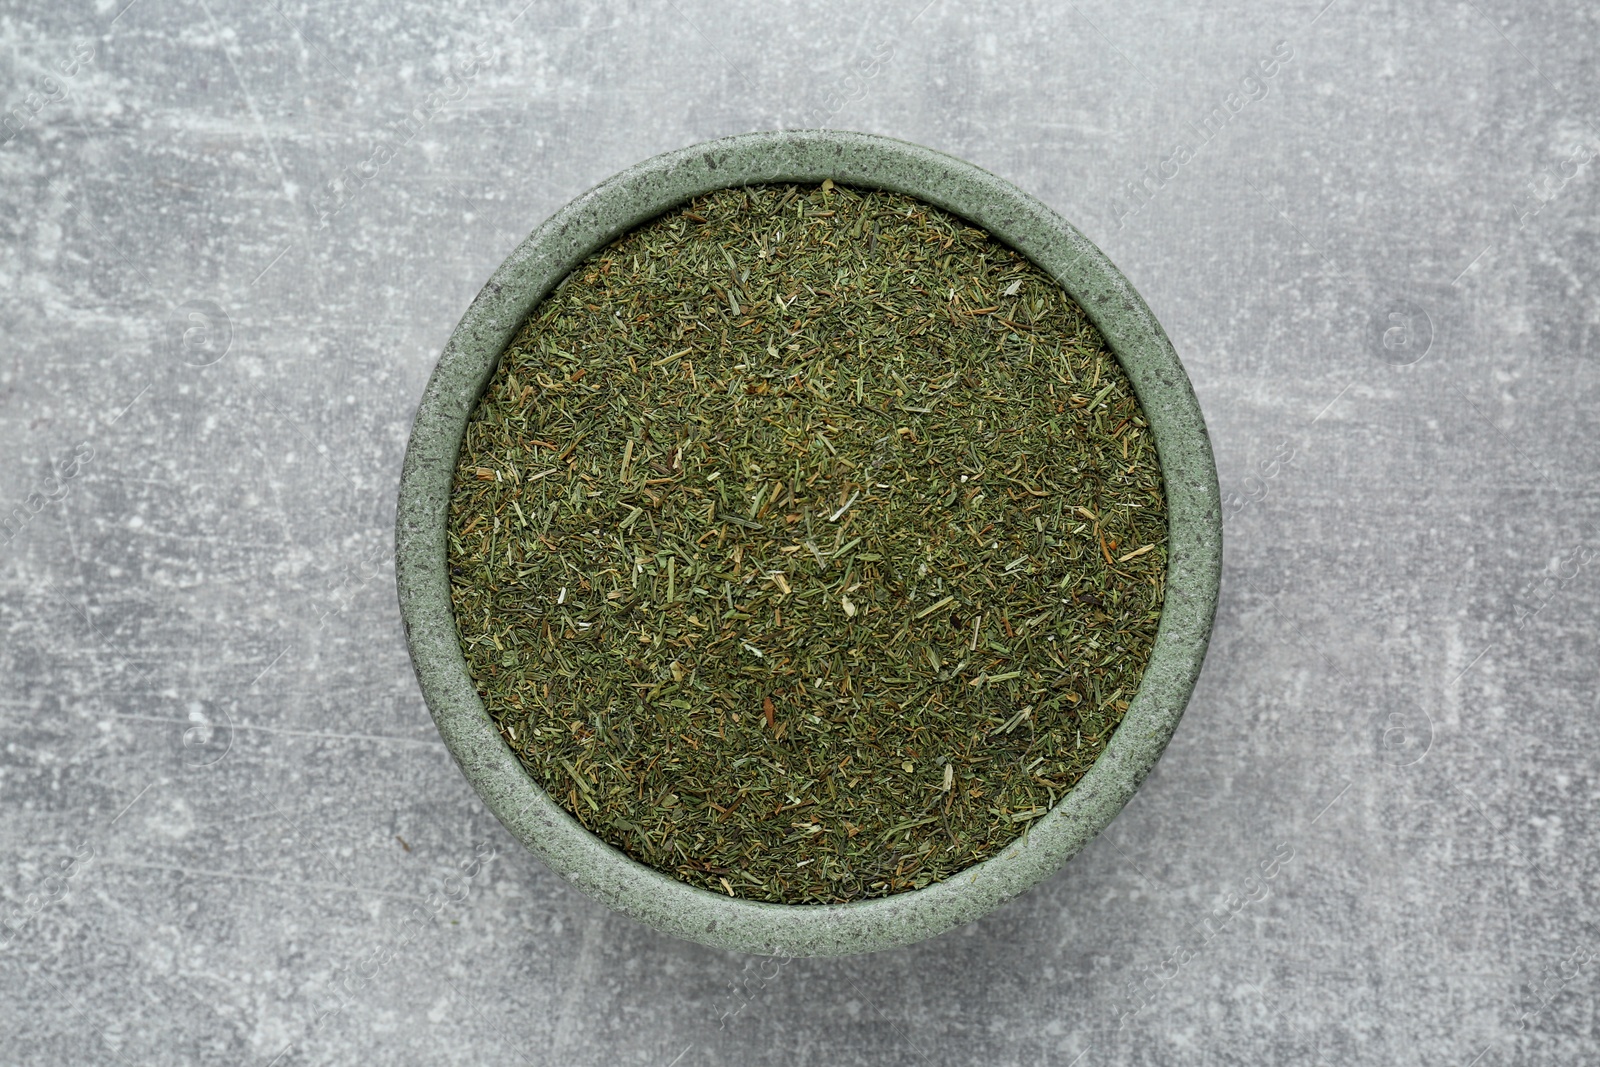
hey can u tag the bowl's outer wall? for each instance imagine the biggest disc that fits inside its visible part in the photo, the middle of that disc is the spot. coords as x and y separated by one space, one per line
635 196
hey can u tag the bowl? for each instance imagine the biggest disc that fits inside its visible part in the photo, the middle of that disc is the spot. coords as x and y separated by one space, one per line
637 195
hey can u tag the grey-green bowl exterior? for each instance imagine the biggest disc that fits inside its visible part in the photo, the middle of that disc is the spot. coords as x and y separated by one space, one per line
635 196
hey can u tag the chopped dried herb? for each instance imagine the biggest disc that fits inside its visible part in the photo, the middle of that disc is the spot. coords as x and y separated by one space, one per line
807 543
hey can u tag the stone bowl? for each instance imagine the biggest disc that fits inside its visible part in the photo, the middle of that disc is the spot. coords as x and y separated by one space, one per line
635 196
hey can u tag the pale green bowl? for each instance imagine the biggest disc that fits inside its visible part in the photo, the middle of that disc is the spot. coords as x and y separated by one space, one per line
637 195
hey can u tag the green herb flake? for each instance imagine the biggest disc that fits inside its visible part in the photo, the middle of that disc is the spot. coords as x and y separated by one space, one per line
807 544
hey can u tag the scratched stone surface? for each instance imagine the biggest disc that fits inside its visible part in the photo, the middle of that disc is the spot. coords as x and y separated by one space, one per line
237 235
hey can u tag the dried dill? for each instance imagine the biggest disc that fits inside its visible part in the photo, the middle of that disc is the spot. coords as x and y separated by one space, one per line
807 543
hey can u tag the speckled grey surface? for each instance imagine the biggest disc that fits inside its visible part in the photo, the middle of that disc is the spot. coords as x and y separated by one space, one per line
209 705
513 292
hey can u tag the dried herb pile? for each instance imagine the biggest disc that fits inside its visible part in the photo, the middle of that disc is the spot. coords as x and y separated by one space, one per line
807 544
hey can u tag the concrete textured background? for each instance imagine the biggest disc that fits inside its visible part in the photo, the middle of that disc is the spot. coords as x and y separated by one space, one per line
227 272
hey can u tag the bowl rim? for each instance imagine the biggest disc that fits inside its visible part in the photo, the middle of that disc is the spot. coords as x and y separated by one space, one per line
470 356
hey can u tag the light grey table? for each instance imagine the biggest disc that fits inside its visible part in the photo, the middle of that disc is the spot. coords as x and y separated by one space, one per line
230 833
